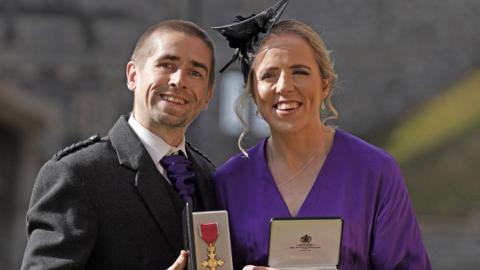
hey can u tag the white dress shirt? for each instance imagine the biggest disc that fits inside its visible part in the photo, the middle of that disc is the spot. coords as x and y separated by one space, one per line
156 147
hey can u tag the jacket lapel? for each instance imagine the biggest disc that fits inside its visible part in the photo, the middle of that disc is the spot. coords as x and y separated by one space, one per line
151 186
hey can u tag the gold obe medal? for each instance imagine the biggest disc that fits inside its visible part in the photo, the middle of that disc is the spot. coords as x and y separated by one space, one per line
209 233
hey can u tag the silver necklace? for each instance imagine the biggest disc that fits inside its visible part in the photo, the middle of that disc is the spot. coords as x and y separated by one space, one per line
291 178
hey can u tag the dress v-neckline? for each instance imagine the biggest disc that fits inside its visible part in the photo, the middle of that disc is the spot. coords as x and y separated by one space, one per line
278 195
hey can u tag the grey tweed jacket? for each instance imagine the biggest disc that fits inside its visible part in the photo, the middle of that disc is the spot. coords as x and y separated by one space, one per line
102 204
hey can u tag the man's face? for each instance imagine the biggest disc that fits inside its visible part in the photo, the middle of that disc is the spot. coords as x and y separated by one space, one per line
171 84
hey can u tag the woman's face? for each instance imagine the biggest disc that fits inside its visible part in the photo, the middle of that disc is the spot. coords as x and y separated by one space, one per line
287 86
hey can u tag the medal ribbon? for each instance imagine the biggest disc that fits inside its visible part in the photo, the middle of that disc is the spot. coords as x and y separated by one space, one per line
209 232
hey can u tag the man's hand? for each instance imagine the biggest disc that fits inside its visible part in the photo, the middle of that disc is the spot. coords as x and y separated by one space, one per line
253 267
181 261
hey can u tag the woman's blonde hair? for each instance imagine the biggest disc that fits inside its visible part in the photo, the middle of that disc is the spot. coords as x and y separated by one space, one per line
322 57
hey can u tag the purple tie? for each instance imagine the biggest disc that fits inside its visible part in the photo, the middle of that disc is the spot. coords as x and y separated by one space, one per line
181 175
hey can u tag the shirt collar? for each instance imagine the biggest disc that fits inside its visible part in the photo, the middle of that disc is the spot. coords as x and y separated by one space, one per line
155 145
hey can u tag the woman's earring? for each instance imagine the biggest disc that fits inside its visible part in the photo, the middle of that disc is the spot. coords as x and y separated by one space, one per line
322 106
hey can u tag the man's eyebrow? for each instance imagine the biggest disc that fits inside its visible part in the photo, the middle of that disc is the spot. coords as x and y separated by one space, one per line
170 57
200 65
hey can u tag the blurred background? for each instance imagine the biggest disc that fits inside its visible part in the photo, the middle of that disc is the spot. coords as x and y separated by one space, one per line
409 81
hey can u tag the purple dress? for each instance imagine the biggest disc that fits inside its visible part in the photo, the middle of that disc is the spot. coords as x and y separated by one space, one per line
358 182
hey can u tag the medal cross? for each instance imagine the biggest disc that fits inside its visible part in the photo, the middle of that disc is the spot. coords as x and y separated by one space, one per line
212 263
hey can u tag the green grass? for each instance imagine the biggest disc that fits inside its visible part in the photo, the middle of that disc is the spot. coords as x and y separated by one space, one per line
438 148
446 116
446 181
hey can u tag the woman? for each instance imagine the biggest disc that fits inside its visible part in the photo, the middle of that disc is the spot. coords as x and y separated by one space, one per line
309 169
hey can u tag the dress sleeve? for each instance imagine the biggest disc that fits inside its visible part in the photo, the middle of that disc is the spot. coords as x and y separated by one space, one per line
397 241
61 222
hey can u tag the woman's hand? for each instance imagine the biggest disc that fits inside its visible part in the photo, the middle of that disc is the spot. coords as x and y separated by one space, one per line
181 261
253 267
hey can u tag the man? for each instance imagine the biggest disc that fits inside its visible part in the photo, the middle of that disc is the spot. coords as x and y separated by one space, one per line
110 203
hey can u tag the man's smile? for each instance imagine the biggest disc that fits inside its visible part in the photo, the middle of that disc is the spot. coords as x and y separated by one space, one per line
174 99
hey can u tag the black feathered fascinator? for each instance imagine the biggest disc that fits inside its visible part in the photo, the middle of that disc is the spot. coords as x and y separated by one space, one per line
246 33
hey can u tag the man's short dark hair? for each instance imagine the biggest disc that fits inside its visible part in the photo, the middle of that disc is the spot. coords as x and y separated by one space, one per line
142 48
